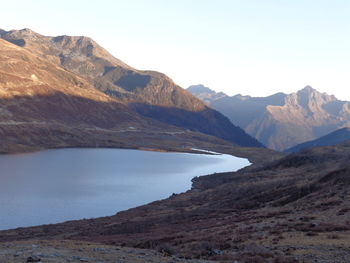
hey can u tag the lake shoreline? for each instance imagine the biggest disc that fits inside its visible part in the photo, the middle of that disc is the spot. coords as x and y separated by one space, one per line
169 173
171 150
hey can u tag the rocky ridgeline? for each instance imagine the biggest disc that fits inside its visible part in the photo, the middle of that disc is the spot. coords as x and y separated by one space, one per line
281 121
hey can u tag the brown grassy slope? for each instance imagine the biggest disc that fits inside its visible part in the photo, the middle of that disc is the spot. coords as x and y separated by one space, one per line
151 94
85 57
43 106
24 74
293 209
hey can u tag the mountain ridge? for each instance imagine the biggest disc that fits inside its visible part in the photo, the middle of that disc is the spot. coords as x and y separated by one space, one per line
332 138
281 121
151 94
43 105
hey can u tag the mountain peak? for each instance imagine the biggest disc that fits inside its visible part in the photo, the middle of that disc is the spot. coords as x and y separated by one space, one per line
308 89
63 47
206 94
309 93
242 97
26 32
200 88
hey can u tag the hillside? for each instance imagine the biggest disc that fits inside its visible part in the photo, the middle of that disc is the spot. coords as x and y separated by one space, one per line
281 121
149 93
45 106
333 138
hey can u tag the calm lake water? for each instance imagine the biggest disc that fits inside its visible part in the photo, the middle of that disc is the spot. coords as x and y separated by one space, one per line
59 185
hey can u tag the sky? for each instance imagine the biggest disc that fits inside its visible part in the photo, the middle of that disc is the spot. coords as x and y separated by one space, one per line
251 47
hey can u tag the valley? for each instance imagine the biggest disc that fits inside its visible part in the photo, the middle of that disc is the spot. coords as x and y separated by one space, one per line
66 98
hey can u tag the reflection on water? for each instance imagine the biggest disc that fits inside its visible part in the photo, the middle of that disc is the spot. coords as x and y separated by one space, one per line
58 185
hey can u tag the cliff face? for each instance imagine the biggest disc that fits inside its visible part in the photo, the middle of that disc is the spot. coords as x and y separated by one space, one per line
151 94
281 121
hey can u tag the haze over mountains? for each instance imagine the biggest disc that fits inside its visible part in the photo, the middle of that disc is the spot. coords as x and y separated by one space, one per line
281 121
72 81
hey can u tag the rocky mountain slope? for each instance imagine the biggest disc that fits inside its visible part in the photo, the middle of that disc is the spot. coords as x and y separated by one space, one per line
151 94
45 106
295 209
332 138
281 121
242 109
40 97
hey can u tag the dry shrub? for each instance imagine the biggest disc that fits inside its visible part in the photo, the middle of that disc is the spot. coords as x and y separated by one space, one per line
166 249
254 249
284 259
322 227
333 236
343 211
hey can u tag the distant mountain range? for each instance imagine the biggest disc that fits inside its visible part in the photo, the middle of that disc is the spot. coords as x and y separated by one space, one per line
281 121
74 91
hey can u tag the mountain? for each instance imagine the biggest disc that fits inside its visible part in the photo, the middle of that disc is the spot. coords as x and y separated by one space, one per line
151 94
205 94
46 106
332 138
242 110
281 121
43 106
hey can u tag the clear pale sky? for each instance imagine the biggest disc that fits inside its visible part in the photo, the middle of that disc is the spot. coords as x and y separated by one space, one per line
255 47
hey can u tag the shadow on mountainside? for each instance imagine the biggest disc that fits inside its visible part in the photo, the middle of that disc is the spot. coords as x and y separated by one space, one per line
206 121
57 120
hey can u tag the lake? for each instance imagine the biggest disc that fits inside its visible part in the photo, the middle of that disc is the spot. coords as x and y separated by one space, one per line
58 185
